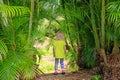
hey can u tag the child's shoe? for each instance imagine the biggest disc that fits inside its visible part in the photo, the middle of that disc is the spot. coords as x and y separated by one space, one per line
55 73
63 71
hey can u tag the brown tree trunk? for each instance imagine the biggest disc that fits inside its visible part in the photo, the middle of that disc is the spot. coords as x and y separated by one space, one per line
115 49
31 20
103 55
112 71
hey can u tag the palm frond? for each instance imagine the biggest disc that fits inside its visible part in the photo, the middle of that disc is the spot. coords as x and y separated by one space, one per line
9 67
27 67
113 11
18 65
11 11
3 50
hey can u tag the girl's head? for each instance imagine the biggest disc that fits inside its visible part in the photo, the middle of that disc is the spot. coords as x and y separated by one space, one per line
59 35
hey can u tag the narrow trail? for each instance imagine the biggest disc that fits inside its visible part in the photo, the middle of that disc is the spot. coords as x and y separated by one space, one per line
79 75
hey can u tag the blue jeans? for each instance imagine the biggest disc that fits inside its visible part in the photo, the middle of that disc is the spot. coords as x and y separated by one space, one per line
61 63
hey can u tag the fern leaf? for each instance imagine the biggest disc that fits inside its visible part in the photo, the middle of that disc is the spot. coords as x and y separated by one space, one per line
3 49
12 11
113 10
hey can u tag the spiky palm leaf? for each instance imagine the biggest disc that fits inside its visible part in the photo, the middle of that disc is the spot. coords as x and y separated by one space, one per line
19 62
17 65
113 17
11 11
3 50
113 9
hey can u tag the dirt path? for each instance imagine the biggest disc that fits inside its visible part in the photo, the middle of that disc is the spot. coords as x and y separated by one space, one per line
80 75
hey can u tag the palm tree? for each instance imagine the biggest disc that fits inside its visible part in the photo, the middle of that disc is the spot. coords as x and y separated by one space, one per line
76 14
113 18
100 16
17 57
94 17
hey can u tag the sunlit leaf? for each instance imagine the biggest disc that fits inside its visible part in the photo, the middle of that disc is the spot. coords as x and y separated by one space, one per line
3 49
113 11
12 11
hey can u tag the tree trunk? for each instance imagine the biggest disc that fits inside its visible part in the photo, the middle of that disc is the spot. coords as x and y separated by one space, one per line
31 17
103 24
102 50
115 49
103 55
94 26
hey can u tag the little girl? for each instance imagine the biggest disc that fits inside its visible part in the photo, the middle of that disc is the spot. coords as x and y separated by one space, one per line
59 50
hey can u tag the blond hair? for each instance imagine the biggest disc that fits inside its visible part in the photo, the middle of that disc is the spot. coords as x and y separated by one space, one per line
59 35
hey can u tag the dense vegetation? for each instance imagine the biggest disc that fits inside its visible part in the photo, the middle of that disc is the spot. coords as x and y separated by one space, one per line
91 29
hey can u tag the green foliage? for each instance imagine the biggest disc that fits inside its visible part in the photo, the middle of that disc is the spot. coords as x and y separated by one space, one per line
3 50
113 11
20 2
11 11
88 56
17 64
20 61
48 9
96 77
45 51
17 57
78 30
46 66
72 58
113 17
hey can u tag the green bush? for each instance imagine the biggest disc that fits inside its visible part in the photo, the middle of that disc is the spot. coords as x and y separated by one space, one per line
96 77
46 67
